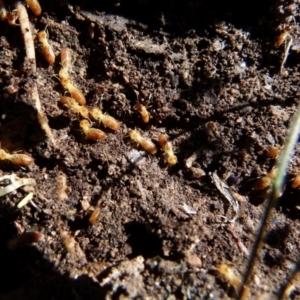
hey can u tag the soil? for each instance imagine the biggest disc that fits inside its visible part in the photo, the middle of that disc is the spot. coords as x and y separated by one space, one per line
209 75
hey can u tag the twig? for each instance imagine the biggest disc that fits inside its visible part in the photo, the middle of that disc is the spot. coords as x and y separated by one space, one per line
281 165
226 192
30 57
237 239
287 47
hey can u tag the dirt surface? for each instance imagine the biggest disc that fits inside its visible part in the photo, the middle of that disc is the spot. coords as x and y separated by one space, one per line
209 75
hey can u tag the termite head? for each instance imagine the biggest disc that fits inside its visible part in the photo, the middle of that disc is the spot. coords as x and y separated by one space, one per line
135 135
85 124
172 160
64 76
96 113
42 35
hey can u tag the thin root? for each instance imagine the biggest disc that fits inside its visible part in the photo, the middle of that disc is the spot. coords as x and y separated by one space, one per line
30 57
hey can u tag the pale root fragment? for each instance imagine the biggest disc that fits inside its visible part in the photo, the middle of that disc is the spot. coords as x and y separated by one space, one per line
226 192
30 57
61 181
16 183
25 200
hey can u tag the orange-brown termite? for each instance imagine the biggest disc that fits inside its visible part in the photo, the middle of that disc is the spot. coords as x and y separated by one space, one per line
35 6
234 280
26 238
143 111
282 37
96 213
17 159
146 144
167 147
274 152
73 105
70 243
47 49
107 120
73 90
265 181
61 181
66 58
296 182
92 133
11 89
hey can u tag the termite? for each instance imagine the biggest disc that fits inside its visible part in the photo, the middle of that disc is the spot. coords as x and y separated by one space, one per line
91 133
107 120
35 6
274 152
61 181
17 159
167 147
96 213
11 89
143 111
47 49
70 243
282 37
296 181
265 181
145 143
65 58
233 279
26 238
67 84
73 105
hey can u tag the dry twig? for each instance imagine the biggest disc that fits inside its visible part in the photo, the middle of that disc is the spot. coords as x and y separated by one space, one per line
237 239
30 57
226 192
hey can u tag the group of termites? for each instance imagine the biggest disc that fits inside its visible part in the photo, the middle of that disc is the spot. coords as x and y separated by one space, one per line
76 100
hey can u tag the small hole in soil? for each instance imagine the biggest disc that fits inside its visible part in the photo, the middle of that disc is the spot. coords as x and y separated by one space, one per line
142 240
